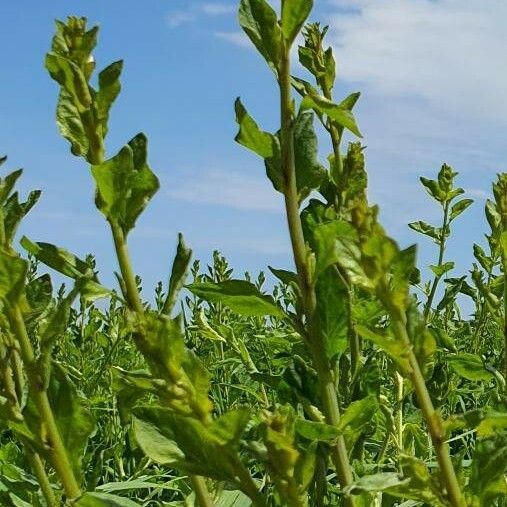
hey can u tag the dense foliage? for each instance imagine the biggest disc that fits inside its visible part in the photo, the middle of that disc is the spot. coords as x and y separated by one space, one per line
356 381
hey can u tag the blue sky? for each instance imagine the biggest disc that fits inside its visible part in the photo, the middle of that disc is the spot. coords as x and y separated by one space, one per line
433 77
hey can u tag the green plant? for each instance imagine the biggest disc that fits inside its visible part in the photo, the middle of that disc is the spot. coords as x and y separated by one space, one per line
338 388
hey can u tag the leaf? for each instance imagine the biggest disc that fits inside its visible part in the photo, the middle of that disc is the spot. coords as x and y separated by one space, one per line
13 271
125 184
7 184
357 415
59 259
250 135
442 269
189 445
470 367
393 348
294 14
426 229
109 89
15 211
239 295
178 274
260 23
433 188
459 207
72 415
332 313
338 113
154 443
104 500
327 241
319 431
287 277
309 172
70 124
71 79
487 480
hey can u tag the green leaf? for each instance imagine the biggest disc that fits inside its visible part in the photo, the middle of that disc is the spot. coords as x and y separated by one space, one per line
294 14
487 479
470 367
433 188
260 23
393 348
125 184
189 445
70 77
72 415
459 207
426 229
70 124
59 259
109 89
339 114
309 172
104 500
239 295
250 135
332 313
178 274
311 430
13 272
442 269
358 415
15 211
8 183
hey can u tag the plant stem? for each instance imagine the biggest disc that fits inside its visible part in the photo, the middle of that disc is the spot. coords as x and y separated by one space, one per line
136 305
42 478
201 491
432 418
441 251
57 452
324 371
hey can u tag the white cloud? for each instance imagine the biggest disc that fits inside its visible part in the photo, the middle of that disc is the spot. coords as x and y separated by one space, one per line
216 9
229 189
236 38
450 53
179 18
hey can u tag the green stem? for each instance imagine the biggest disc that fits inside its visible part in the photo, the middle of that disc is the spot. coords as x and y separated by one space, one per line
201 491
136 305
432 418
441 251
42 478
324 371
38 394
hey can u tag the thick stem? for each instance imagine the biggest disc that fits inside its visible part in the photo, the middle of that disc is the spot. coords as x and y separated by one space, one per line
433 420
38 394
201 491
324 371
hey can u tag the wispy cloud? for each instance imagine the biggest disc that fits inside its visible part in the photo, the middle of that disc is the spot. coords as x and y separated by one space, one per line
442 51
194 13
216 9
179 18
236 38
230 189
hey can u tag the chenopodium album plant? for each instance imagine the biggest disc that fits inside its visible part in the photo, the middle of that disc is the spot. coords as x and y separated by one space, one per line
354 408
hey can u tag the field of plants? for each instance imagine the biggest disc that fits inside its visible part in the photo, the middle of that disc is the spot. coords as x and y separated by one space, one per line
355 380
